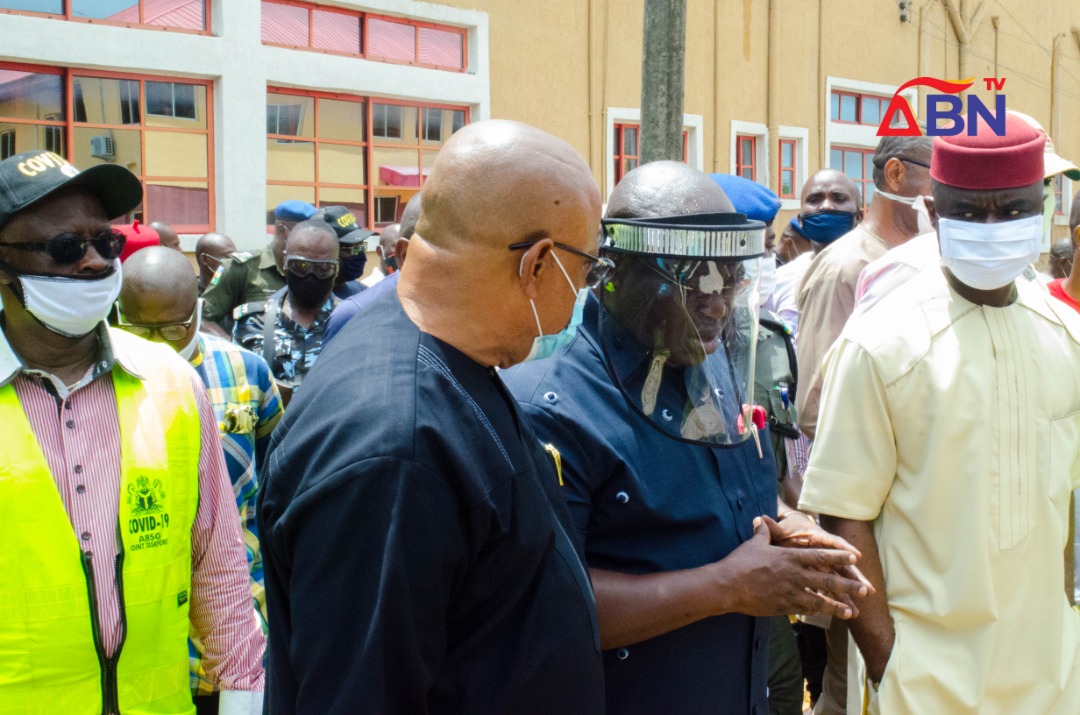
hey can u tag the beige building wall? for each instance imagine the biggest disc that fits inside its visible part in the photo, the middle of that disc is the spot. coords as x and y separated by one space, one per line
563 64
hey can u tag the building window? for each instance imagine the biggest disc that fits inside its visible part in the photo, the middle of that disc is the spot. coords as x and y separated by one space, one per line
1059 198
789 170
184 15
110 123
858 165
7 144
386 121
746 156
129 102
170 99
628 148
306 26
323 154
856 108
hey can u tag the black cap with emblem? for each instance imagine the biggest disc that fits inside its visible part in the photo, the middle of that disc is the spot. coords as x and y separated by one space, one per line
31 176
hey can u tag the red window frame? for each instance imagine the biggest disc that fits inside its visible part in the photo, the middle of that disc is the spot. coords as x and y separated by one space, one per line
792 169
364 18
741 160
1058 187
620 153
68 15
866 183
859 98
369 187
69 125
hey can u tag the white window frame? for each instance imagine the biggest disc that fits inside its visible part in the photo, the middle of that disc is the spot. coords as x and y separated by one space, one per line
857 135
1067 192
693 124
761 149
801 135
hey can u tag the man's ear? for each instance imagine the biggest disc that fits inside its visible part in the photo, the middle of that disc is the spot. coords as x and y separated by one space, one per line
895 172
858 217
532 266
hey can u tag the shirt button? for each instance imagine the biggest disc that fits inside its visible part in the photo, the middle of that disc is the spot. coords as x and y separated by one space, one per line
551 397
622 497
78 469
70 424
623 654
67 405
86 536
80 488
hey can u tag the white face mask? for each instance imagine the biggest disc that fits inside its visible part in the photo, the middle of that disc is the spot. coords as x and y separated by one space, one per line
188 351
917 203
71 307
765 270
987 256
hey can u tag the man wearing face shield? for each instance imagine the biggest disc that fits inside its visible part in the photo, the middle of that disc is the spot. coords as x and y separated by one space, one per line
120 534
948 450
648 412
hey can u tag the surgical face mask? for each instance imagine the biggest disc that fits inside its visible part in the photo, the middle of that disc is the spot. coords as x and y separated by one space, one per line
544 346
987 256
1049 204
188 351
917 204
69 306
765 272
828 225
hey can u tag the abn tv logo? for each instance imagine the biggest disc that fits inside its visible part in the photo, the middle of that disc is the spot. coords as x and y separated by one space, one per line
944 110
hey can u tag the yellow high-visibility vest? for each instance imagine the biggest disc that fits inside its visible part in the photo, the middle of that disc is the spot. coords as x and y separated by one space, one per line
51 660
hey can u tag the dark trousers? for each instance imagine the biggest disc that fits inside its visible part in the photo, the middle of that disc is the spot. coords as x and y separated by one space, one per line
206 704
785 670
813 653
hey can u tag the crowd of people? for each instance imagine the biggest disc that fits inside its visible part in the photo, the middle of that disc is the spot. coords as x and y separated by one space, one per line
651 455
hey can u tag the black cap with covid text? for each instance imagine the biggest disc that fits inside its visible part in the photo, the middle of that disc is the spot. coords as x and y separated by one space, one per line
345 224
31 176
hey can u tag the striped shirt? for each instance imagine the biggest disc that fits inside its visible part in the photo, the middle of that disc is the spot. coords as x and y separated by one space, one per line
247 407
78 430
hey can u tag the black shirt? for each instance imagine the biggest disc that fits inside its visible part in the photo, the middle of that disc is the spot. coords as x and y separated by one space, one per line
416 549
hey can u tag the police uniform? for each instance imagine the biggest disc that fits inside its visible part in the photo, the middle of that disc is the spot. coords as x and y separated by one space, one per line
247 277
645 503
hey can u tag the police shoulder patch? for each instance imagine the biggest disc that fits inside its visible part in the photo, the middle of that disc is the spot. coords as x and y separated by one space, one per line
244 256
249 309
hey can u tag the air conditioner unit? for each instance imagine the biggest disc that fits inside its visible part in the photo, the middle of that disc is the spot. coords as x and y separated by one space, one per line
101 146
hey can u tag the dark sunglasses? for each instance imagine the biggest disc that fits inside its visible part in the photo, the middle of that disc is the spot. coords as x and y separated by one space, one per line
599 272
168 331
71 247
304 267
350 250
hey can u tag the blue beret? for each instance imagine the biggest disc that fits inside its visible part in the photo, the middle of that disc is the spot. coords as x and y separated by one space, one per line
294 210
749 197
798 227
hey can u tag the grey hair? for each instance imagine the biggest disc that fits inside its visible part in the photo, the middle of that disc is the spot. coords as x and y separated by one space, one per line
898 148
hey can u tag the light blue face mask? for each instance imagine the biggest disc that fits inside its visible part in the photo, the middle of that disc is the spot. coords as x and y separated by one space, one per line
544 346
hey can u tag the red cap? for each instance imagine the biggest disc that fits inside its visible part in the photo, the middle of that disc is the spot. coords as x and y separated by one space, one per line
987 161
138 236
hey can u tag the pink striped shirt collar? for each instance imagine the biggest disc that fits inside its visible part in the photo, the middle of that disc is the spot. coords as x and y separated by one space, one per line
113 352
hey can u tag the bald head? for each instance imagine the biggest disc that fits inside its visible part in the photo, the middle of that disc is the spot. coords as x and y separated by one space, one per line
829 189
666 188
499 182
159 287
210 250
410 216
169 237
388 238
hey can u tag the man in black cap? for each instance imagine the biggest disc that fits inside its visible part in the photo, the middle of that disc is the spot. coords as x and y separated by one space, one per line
112 482
352 246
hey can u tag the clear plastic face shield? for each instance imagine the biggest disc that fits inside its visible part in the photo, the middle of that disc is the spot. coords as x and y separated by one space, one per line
680 318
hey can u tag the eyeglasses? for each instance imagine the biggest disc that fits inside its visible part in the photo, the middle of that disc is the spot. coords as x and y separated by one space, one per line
303 267
350 250
70 248
916 162
599 272
167 331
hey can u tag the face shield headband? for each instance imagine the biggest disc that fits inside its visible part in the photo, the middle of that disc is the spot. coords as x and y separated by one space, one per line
679 321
